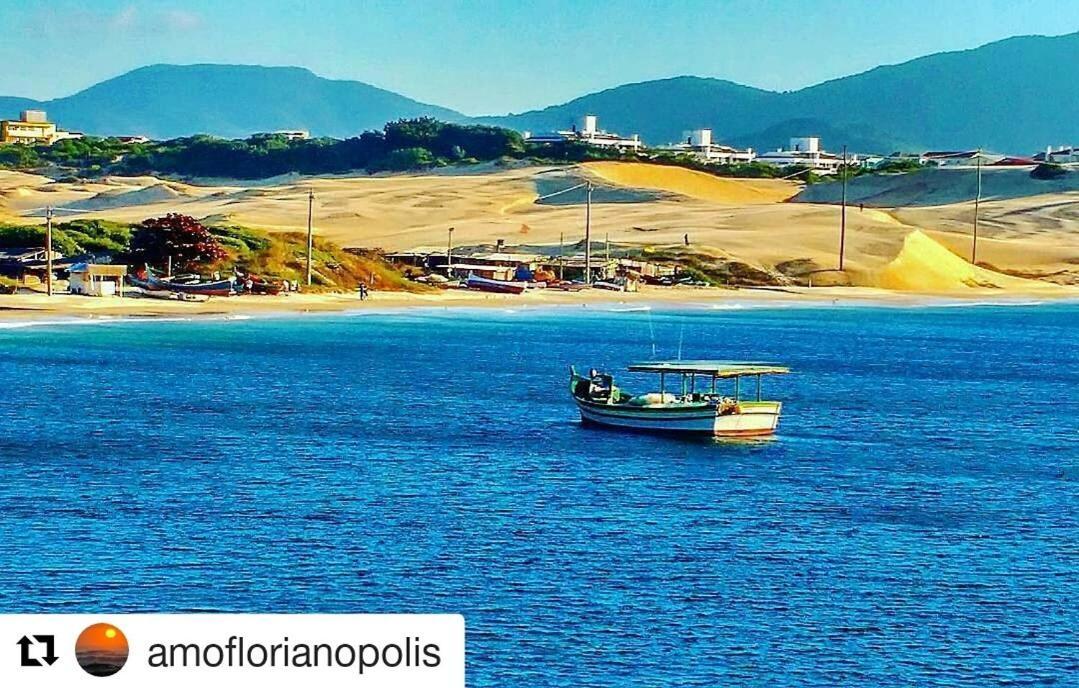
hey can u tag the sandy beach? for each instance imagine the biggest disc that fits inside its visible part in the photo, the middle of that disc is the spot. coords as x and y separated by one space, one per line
27 307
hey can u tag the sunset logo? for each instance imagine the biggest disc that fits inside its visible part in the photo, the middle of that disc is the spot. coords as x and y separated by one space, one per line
101 649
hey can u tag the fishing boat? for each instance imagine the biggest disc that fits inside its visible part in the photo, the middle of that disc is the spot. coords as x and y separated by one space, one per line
185 284
493 285
217 288
609 285
695 405
174 296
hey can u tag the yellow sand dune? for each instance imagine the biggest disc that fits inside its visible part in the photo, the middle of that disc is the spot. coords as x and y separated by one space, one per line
694 184
1033 236
924 265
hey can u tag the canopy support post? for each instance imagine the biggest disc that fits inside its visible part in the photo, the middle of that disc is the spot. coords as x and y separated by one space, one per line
758 387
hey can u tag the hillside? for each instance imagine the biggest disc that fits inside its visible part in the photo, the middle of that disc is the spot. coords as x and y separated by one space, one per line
1006 96
657 110
168 101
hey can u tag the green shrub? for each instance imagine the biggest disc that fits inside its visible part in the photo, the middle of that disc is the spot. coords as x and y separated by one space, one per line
1047 171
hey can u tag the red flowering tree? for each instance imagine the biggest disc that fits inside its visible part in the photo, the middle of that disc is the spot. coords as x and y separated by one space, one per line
180 237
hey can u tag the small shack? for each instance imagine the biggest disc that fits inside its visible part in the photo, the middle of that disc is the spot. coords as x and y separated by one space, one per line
95 279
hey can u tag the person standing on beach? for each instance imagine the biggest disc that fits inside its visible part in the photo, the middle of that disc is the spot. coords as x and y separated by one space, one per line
363 291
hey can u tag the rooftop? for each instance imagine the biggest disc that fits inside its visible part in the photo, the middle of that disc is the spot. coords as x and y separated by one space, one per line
710 368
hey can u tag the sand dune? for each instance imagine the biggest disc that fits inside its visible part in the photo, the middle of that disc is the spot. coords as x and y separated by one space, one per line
157 193
741 220
924 265
694 184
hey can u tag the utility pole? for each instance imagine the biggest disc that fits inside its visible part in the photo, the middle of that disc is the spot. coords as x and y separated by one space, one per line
48 250
588 236
843 214
310 236
561 265
449 250
977 202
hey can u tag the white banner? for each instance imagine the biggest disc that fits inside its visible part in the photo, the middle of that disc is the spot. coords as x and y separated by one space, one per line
268 650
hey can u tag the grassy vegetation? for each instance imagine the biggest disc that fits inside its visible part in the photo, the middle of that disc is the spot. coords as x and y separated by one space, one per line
71 238
283 255
269 255
713 268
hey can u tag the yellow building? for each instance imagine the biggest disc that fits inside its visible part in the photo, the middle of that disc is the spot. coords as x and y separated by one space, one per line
31 128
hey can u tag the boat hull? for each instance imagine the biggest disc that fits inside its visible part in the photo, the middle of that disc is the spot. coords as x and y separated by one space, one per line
754 419
495 286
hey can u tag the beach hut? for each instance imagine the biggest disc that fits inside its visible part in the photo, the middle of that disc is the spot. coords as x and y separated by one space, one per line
95 279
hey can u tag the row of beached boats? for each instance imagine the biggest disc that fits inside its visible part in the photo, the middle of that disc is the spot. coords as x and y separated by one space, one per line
197 288
513 287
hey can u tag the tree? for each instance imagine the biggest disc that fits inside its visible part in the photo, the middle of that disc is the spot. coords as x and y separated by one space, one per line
405 159
180 237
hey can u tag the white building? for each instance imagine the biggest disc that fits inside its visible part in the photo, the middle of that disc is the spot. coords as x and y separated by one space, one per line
92 279
698 143
960 158
588 133
805 151
294 134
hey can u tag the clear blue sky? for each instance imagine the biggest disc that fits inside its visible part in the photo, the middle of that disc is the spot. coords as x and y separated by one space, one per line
496 57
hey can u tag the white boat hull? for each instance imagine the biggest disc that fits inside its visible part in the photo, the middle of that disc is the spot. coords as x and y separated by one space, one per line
752 419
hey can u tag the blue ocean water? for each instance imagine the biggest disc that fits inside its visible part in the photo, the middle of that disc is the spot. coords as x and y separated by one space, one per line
916 521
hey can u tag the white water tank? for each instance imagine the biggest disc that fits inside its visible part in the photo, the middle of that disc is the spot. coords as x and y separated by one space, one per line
588 124
805 144
700 137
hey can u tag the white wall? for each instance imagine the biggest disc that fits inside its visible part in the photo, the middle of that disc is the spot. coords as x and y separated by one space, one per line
701 137
805 144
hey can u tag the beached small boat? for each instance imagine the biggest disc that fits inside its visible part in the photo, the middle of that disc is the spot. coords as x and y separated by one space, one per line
216 288
609 285
694 406
493 285
174 295
186 284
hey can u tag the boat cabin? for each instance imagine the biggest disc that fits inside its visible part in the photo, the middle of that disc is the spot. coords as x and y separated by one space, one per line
697 380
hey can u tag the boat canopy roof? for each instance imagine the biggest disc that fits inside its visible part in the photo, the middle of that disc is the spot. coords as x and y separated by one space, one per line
709 368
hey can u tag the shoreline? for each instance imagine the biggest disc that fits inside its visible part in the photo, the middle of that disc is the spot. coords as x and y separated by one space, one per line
26 309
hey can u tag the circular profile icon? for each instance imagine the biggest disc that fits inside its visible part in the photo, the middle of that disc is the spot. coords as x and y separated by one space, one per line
101 649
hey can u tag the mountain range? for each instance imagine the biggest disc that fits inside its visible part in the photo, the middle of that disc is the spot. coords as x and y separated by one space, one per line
167 101
1011 96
